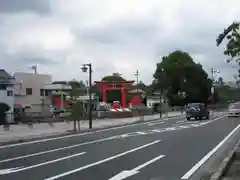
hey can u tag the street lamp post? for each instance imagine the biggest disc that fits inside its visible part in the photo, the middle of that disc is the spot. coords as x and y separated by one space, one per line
160 82
213 71
85 68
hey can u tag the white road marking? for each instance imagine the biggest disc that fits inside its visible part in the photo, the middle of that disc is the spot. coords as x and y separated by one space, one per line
125 174
8 171
14 170
181 121
55 150
152 124
142 133
101 161
207 156
75 135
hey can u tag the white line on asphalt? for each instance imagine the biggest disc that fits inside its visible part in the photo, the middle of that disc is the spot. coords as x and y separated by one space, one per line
101 161
181 121
55 150
14 170
207 156
75 135
152 124
125 174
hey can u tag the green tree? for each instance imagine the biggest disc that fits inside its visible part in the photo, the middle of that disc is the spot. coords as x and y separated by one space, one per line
3 109
232 34
77 110
176 73
114 77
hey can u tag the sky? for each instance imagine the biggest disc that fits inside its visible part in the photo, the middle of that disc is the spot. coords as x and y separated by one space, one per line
114 35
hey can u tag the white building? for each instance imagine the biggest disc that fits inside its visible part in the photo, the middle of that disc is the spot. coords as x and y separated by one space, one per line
29 90
36 91
7 93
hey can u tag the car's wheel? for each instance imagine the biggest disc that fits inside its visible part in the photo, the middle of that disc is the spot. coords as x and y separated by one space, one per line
188 118
207 117
200 118
196 118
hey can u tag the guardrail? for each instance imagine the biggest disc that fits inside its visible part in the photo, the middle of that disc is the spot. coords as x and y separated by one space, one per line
205 168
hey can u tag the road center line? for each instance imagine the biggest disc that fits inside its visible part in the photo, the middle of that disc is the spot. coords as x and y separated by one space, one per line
41 164
207 156
101 161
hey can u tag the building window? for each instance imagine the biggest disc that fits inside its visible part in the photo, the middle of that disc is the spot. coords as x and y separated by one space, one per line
28 91
41 92
9 93
3 86
46 93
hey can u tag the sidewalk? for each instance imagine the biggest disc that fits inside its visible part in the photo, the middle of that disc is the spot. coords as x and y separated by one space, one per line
24 132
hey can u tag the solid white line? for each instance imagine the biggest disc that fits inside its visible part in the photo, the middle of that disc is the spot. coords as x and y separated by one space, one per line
181 121
73 135
152 124
44 163
207 156
54 150
148 162
101 161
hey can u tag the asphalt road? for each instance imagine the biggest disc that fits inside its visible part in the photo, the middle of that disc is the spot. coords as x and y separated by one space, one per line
156 150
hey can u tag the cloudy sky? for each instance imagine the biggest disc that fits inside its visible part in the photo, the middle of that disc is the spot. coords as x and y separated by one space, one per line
114 35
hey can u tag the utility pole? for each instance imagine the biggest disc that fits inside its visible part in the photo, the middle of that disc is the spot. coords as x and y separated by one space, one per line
34 67
137 74
213 71
90 96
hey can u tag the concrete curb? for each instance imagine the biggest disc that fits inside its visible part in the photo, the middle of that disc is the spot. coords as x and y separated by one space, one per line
225 165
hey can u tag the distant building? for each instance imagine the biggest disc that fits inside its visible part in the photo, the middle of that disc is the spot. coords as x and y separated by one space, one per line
37 93
7 92
154 100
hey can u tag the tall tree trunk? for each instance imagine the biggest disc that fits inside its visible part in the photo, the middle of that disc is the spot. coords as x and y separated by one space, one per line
74 125
78 125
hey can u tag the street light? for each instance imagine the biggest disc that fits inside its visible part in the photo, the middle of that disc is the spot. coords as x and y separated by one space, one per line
160 82
85 68
213 72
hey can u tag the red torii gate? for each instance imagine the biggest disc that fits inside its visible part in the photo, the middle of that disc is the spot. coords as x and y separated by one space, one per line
115 85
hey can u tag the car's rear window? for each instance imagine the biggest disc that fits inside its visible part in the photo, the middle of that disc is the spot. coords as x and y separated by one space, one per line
232 106
195 105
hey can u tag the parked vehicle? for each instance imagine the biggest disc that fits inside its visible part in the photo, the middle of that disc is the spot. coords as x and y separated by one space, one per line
197 111
234 110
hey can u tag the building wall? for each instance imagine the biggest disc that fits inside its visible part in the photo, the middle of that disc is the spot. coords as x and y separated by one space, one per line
36 82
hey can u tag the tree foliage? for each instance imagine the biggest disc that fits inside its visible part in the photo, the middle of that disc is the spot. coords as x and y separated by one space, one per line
114 77
77 109
176 73
232 35
4 107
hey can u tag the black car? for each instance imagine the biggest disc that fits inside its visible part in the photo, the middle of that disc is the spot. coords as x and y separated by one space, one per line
197 111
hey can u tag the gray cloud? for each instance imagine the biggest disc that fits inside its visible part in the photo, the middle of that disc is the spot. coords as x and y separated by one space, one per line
120 32
121 42
17 6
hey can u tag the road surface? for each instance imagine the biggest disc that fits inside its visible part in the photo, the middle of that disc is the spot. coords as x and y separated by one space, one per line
160 149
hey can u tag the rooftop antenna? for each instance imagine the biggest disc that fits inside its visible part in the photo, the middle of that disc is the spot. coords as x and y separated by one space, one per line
34 67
